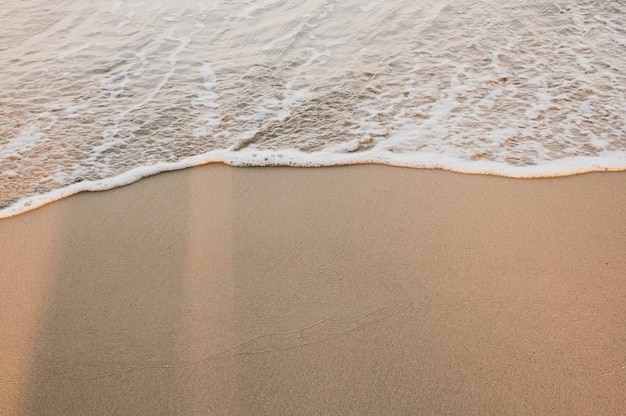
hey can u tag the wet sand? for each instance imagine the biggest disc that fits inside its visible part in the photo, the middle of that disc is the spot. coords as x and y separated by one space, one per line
347 290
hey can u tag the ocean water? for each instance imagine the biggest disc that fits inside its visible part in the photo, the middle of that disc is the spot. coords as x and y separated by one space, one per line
97 94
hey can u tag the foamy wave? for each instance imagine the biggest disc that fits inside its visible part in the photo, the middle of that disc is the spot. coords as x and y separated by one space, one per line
249 158
522 89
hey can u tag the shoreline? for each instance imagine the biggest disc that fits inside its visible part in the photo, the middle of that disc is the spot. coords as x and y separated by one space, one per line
300 161
367 288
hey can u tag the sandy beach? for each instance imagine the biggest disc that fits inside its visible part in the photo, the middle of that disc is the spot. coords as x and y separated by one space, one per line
365 290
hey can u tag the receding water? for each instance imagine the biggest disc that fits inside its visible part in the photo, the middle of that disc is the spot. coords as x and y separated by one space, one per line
94 94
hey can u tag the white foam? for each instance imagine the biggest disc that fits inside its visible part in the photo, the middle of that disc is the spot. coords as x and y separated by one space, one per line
207 98
116 7
314 55
112 84
281 39
210 122
73 51
280 108
369 7
341 155
72 110
209 76
255 7
27 139
184 43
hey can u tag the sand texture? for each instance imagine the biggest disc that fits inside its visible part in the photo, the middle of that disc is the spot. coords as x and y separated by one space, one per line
363 290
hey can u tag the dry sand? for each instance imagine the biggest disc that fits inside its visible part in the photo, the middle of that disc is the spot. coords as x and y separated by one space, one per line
350 290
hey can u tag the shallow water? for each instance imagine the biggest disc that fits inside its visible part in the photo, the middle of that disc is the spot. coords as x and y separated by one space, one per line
95 94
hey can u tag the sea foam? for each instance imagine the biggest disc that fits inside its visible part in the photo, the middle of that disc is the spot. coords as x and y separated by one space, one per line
100 95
